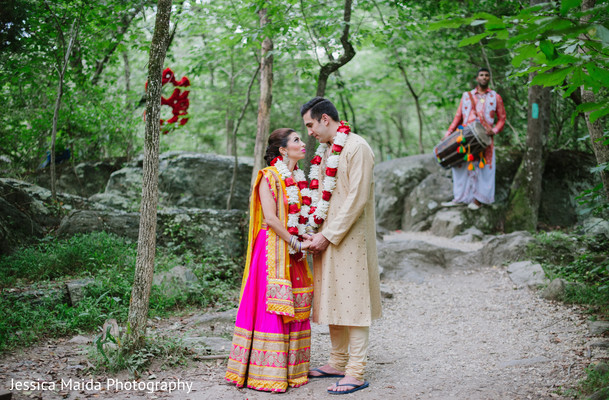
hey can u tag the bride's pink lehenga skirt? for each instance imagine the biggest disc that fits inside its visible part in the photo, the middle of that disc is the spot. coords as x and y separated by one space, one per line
268 354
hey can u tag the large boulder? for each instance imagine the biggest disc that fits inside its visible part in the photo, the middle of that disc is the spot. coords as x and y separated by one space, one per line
126 182
595 226
447 223
205 230
178 280
504 248
16 226
84 179
415 255
115 200
121 223
527 274
27 212
186 180
425 200
203 181
488 218
410 190
394 180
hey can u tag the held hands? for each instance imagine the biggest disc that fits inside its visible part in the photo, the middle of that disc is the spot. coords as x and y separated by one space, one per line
318 243
305 244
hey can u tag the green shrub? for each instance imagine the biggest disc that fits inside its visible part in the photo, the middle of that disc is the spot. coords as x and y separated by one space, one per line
54 258
167 351
110 261
595 379
583 260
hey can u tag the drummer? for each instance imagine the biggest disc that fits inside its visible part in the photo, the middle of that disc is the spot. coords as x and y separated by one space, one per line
478 185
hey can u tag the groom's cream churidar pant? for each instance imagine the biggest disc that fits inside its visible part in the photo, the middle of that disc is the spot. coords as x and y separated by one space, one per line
349 349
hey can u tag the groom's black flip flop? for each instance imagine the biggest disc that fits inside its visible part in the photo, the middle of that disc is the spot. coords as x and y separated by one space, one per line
355 387
324 374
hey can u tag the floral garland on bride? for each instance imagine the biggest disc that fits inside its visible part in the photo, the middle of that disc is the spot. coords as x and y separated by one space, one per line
295 182
318 209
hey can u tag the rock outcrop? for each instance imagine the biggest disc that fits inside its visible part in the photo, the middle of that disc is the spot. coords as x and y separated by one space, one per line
84 179
409 192
186 180
198 229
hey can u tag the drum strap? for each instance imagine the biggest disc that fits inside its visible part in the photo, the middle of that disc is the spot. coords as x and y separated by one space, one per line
475 108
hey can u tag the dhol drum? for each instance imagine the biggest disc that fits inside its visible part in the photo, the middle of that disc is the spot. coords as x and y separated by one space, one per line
453 149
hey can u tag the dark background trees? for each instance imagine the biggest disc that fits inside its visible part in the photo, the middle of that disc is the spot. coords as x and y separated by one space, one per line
403 66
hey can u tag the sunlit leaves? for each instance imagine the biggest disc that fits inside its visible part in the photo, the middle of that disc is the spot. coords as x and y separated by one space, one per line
548 49
566 5
553 78
473 39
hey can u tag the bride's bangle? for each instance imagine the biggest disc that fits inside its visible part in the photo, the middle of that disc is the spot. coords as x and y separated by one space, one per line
295 244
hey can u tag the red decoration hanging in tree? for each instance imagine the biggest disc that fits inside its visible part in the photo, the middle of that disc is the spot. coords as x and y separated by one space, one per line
178 101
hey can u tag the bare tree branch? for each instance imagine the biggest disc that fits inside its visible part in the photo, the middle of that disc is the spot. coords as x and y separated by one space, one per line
118 37
61 70
304 18
235 130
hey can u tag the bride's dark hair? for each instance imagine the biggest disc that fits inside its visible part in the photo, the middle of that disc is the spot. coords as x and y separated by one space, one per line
278 138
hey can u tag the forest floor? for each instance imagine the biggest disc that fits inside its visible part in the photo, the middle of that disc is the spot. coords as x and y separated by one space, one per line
460 334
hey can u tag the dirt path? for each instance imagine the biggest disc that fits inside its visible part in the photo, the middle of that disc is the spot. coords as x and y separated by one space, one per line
458 335
463 335
448 334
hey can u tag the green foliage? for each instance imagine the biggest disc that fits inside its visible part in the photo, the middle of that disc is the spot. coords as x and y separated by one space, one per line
553 247
51 259
93 120
593 200
216 44
562 48
595 378
110 261
167 351
582 260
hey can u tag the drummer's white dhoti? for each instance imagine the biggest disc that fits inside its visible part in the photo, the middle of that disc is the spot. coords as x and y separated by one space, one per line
477 184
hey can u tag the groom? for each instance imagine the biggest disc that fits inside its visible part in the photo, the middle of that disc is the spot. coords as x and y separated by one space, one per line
346 275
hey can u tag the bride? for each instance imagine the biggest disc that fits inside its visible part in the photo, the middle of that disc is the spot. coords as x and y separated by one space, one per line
272 338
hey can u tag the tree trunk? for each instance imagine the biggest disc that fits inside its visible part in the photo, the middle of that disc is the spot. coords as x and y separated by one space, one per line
601 151
266 97
525 192
327 69
61 72
144 264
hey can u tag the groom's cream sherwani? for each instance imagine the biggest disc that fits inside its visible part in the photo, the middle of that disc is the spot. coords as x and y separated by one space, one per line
346 274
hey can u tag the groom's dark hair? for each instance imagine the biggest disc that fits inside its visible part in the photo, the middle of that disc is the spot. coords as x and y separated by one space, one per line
320 106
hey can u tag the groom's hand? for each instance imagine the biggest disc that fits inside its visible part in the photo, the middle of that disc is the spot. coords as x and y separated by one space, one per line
318 243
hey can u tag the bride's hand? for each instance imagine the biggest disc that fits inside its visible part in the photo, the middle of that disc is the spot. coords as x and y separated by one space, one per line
305 244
